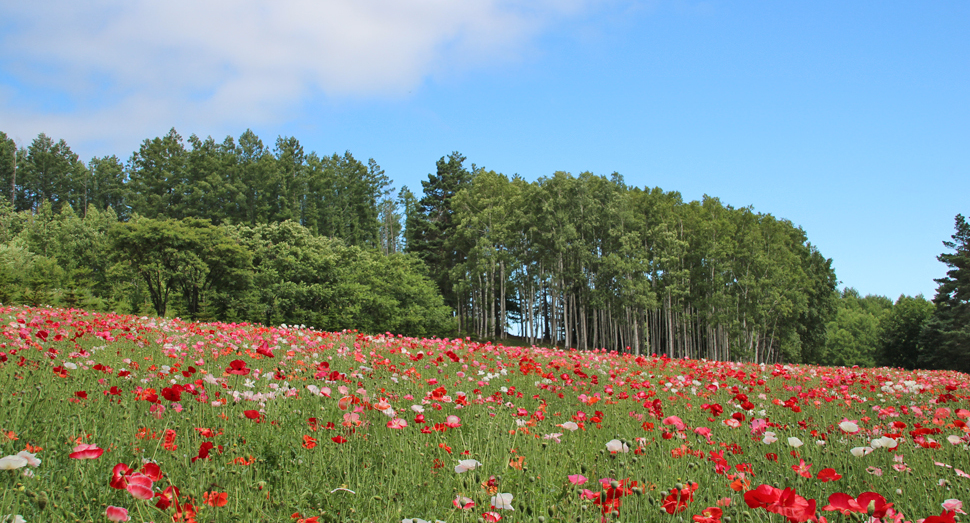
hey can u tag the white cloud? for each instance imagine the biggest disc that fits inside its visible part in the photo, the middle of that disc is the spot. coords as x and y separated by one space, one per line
141 64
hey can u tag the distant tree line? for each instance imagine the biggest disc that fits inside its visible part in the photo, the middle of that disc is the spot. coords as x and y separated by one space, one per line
912 332
237 231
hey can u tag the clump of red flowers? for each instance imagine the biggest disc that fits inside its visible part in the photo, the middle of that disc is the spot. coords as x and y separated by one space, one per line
783 502
679 497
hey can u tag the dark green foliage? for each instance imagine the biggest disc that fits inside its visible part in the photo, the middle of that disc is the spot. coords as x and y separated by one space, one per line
158 177
106 186
49 172
853 334
899 332
300 278
191 256
945 341
819 307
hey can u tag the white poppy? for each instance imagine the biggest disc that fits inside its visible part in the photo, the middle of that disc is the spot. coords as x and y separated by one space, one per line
466 465
615 445
883 442
12 462
849 427
502 501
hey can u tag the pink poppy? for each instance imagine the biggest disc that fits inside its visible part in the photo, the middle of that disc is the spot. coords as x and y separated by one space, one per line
675 421
577 479
116 514
954 505
397 423
140 486
86 451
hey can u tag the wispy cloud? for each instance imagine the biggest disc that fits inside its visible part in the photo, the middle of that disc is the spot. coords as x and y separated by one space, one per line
136 65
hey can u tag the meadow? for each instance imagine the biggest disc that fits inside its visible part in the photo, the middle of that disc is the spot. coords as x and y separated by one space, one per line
108 417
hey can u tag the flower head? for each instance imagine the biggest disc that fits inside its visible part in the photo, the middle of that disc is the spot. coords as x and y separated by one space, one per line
466 465
502 501
86 451
116 513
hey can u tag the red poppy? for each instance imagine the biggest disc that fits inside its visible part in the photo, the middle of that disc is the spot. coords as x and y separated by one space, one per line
709 515
339 439
238 367
172 393
829 475
119 476
677 500
215 499
204 449
167 497
206 433
784 502
264 349
252 414
945 517
309 442
185 512
169 443
152 471
874 504
802 468
843 503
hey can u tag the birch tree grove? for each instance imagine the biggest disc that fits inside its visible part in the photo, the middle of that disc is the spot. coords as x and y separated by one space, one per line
587 262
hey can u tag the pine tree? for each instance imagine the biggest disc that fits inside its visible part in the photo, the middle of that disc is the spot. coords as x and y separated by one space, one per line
946 337
433 227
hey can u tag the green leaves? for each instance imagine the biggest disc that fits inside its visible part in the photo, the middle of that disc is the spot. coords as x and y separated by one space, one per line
300 278
190 256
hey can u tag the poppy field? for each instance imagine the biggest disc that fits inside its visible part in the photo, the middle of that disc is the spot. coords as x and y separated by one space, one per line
107 417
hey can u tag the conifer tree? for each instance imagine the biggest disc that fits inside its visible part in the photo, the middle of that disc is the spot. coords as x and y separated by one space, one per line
946 337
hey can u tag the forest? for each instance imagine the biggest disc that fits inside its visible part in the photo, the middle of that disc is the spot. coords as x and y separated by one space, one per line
238 231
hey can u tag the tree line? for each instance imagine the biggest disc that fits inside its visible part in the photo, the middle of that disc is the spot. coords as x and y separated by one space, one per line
588 262
235 230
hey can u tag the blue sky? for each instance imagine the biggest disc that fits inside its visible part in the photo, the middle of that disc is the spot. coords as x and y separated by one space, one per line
851 119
